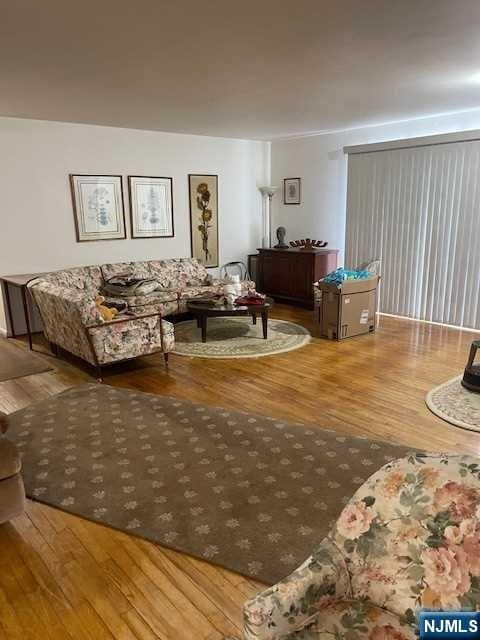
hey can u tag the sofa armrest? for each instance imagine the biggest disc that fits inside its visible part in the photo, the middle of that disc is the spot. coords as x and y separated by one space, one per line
286 606
124 318
80 304
65 314
130 337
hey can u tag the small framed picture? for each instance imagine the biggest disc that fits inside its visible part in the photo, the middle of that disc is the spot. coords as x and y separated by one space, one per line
98 207
203 191
151 207
291 190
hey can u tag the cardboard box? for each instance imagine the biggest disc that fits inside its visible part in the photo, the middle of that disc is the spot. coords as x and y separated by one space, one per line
347 310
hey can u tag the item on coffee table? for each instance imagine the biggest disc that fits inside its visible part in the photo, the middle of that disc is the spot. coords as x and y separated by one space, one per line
230 291
252 298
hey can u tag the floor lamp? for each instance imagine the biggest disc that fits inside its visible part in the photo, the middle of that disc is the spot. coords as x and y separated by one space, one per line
267 195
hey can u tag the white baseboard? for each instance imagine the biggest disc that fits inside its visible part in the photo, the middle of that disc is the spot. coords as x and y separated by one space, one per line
438 324
3 332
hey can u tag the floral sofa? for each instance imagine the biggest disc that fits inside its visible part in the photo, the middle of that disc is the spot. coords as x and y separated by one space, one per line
409 538
178 281
71 320
66 301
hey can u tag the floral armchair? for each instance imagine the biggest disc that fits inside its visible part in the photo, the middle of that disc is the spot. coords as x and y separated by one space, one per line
409 538
72 321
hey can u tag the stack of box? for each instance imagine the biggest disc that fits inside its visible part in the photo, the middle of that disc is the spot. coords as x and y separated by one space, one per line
346 310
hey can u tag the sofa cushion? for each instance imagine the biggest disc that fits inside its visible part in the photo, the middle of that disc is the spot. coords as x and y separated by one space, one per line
157 297
353 619
81 278
146 287
140 269
178 273
409 520
10 462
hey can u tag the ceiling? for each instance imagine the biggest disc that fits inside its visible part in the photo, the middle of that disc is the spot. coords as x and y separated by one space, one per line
238 68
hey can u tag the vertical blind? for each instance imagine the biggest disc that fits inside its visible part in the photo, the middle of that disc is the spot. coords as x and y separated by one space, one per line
418 211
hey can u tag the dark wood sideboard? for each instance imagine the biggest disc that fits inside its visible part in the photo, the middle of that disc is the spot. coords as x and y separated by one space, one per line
288 274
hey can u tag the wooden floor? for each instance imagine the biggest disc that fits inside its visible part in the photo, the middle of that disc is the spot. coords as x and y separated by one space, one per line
62 577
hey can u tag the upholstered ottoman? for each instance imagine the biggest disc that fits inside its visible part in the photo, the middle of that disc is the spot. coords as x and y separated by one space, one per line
12 493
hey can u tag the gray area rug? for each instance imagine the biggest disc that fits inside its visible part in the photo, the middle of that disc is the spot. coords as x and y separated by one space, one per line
455 404
250 493
238 337
17 362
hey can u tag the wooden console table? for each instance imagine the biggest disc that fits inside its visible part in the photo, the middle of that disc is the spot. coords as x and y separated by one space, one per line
20 281
289 274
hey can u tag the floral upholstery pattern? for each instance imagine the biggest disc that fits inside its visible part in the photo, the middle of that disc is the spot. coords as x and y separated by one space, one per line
82 278
354 620
139 269
179 273
409 538
125 340
66 301
164 302
65 313
179 279
72 321
319 581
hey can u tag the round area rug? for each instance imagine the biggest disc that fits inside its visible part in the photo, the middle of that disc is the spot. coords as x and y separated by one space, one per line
238 338
455 404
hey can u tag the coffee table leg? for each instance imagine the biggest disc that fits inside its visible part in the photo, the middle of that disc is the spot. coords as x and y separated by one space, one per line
199 322
265 324
254 318
204 329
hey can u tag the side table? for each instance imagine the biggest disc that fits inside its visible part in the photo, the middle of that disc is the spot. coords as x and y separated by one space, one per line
20 281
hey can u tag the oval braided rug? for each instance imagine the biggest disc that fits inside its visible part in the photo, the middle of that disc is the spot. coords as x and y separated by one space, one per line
455 404
250 493
238 337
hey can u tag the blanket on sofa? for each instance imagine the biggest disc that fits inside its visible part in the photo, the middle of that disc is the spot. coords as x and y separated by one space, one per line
126 285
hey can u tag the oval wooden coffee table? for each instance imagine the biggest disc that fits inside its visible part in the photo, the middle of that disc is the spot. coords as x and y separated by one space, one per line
203 309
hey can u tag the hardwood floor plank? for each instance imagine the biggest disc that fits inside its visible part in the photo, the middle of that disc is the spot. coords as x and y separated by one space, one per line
9 618
145 599
77 579
91 584
192 591
139 627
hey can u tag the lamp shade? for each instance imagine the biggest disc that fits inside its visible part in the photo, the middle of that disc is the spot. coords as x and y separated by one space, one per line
268 191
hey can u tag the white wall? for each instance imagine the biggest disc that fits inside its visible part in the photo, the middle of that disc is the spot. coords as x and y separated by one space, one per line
320 162
37 230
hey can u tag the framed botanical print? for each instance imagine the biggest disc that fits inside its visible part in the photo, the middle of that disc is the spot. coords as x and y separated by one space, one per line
151 207
203 191
98 207
291 190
